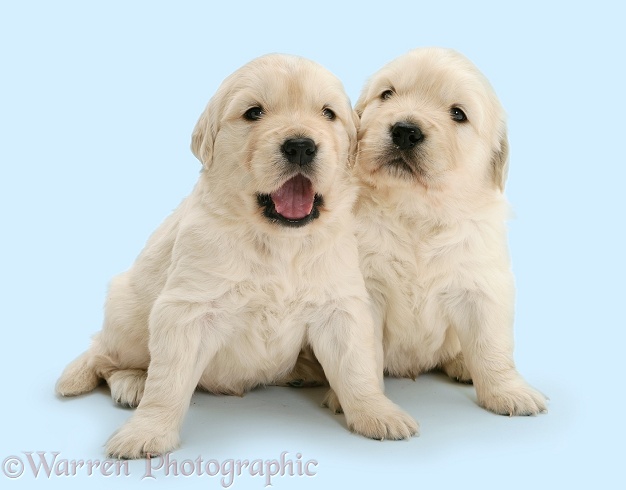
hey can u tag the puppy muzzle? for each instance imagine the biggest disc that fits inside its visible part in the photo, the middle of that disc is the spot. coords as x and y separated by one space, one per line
295 203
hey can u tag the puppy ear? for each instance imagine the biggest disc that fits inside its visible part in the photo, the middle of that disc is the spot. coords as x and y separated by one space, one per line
203 136
360 104
500 161
359 107
353 135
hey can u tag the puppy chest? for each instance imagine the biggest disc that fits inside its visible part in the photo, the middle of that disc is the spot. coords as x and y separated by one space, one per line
408 290
264 344
265 330
268 329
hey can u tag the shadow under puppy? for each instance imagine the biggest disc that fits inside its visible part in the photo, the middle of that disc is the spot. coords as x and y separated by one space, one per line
257 263
432 161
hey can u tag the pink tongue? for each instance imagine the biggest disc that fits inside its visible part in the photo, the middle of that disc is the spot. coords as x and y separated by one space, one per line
294 200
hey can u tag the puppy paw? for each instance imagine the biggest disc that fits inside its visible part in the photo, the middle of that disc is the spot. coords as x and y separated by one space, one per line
127 386
332 402
306 373
298 383
457 370
132 442
392 424
514 399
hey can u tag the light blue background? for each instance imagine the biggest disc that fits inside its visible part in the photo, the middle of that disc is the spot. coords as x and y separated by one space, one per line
97 104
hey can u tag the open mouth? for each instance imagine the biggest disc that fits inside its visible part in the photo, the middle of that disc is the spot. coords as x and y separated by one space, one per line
293 204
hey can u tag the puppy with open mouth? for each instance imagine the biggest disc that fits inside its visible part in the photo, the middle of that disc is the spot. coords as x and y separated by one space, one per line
432 161
258 262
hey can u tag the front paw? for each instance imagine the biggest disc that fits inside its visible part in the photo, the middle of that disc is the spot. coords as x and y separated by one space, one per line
513 399
133 442
389 422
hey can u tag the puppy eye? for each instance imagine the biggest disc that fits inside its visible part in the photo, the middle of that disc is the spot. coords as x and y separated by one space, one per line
458 115
253 114
386 94
329 114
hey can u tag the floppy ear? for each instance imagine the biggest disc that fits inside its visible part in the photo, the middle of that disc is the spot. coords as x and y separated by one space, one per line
359 107
203 136
500 160
353 135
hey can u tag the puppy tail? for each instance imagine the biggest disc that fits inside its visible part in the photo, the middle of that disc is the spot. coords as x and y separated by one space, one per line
79 376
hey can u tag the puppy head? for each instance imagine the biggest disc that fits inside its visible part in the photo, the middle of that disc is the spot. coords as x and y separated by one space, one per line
430 120
275 142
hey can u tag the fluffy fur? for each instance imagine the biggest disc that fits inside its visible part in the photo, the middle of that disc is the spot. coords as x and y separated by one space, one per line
431 225
223 296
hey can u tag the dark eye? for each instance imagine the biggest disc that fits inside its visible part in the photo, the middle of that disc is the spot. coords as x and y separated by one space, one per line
386 94
458 115
253 114
329 114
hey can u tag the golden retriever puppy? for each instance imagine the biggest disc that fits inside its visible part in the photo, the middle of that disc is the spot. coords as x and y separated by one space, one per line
258 262
432 161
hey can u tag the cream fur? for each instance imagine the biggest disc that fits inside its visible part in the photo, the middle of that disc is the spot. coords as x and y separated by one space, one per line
432 240
224 299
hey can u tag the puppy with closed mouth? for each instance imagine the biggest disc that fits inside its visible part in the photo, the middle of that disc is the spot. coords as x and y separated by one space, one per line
432 162
258 262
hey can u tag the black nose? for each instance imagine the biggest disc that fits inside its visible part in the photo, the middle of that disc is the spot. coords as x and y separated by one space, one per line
299 151
405 135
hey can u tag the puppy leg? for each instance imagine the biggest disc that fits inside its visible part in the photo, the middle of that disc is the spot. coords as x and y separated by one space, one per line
484 327
345 345
121 344
182 342
377 306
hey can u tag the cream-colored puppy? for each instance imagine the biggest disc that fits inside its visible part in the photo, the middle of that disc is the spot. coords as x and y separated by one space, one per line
257 263
432 160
